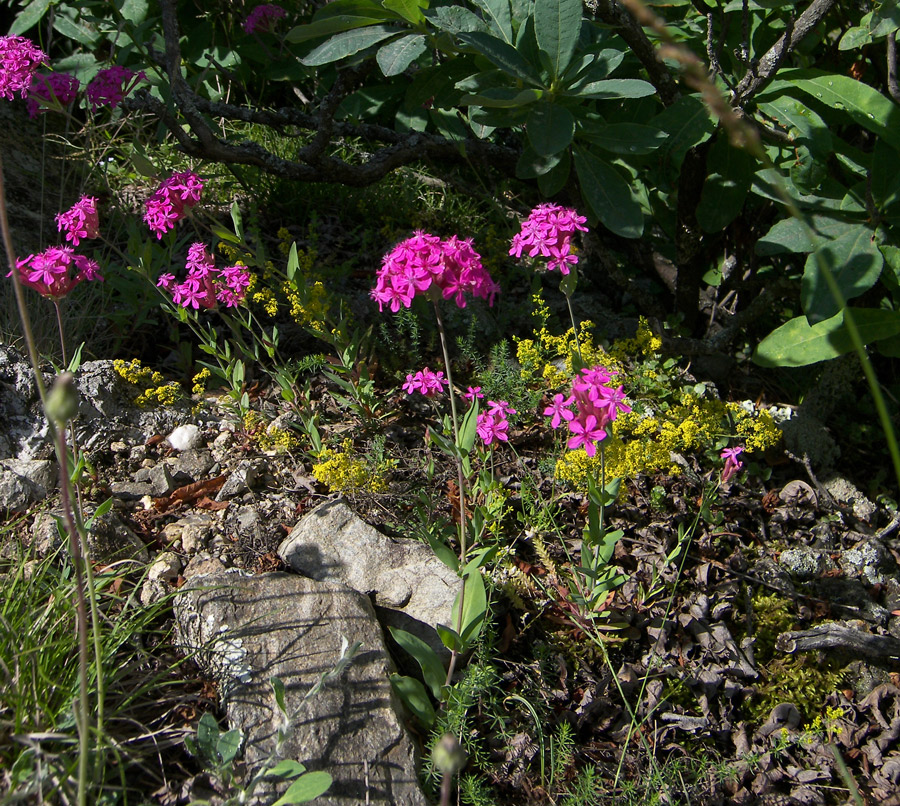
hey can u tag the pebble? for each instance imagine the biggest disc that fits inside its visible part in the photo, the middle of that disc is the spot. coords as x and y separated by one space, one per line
185 437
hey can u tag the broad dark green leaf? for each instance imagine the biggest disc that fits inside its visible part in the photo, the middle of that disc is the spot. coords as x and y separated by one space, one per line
432 669
348 43
394 57
791 236
797 343
885 179
855 38
74 29
353 8
502 98
449 123
497 13
134 11
610 88
553 181
550 128
592 66
454 19
608 196
805 125
729 176
331 25
306 788
864 104
855 262
885 19
449 638
410 10
503 55
557 24
530 165
474 607
625 138
687 122
29 17
414 697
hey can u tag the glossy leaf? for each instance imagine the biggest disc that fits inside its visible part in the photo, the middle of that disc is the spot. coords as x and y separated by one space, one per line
414 697
410 10
432 669
468 431
396 56
797 343
550 128
449 638
306 788
612 88
789 235
855 263
608 195
557 24
474 607
348 43
497 13
503 55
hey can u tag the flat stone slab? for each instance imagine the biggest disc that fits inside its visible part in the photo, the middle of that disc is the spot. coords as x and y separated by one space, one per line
412 588
248 629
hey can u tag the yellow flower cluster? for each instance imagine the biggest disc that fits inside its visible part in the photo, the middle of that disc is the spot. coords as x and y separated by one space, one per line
310 307
645 342
758 429
344 473
269 438
622 460
284 241
266 297
154 390
199 381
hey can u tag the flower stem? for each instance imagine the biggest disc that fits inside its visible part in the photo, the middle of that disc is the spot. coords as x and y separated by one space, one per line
574 327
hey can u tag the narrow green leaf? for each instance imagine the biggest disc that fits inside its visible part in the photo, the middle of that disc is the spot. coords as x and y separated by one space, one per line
497 13
474 607
394 57
331 25
502 98
432 668
468 430
449 638
141 164
503 55
444 444
237 220
608 195
626 138
306 788
550 128
293 262
348 43
797 343
29 16
278 690
557 24
72 28
414 697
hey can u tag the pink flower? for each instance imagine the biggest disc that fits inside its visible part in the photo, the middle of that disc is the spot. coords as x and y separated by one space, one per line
62 87
80 221
111 85
166 281
416 264
19 59
596 405
559 410
547 232
56 271
587 432
205 285
427 382
263 18
473 392
492 426
170 201
732 463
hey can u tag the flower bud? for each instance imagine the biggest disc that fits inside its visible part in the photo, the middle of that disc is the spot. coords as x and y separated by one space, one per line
448 756
63 400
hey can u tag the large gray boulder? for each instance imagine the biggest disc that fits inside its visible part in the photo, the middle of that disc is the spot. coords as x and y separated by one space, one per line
248 629
412 589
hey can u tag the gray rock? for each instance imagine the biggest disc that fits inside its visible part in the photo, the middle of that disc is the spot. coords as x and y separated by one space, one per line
190 466
413 588
869 560
45 534
23 427
803 563
110 540
847 494
250 629
25 481
161 481
240 481
130 490
192 531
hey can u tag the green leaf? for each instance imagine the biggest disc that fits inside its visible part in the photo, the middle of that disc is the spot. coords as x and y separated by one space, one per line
885 19
71 28
791 236
854 38
688 123
553 181
502 98
141 164
396 56
287 769
864 104
410 10
497 13
797 343
306 788
468 431
133 11
804 125
592 66
608 196
237 220
29 16
348 43
444 444
626 138
105 507
550 128
855 262
728 180
278 690
228 745
449 638
454 19
557 24
503 55
331 25
293 262
208 736
414 697
474 607
611 88
432 668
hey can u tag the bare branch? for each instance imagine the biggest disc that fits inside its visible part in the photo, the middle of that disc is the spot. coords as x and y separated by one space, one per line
893 85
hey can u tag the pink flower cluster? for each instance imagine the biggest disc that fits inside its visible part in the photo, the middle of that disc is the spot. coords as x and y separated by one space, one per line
80 221
205 285
50 273
596 405
423 260
732 463
19 58
111 85
427 382
548 232
492 425
263 18
172 198
62 87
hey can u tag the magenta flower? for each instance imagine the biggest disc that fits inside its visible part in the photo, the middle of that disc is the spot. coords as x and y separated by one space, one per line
171 201
732 463
559 410
263 19
206 286
492 426
427 382
472 393
56 271
19 59
547 232
81 221
586 431
422 261
111 85
62 87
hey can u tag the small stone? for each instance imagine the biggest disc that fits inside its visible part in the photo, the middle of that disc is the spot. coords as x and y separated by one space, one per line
166 566
148 463
142 476
185 437
190 466
161 482
118 447
138 453
847 494
110 539
803 563
129 490
240 481
221 445
869 560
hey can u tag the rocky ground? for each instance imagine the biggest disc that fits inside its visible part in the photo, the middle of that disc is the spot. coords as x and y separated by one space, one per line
764 659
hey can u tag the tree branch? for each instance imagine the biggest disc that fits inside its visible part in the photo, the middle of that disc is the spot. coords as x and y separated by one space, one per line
893 86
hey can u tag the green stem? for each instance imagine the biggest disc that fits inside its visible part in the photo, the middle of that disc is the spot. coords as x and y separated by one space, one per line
574 327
